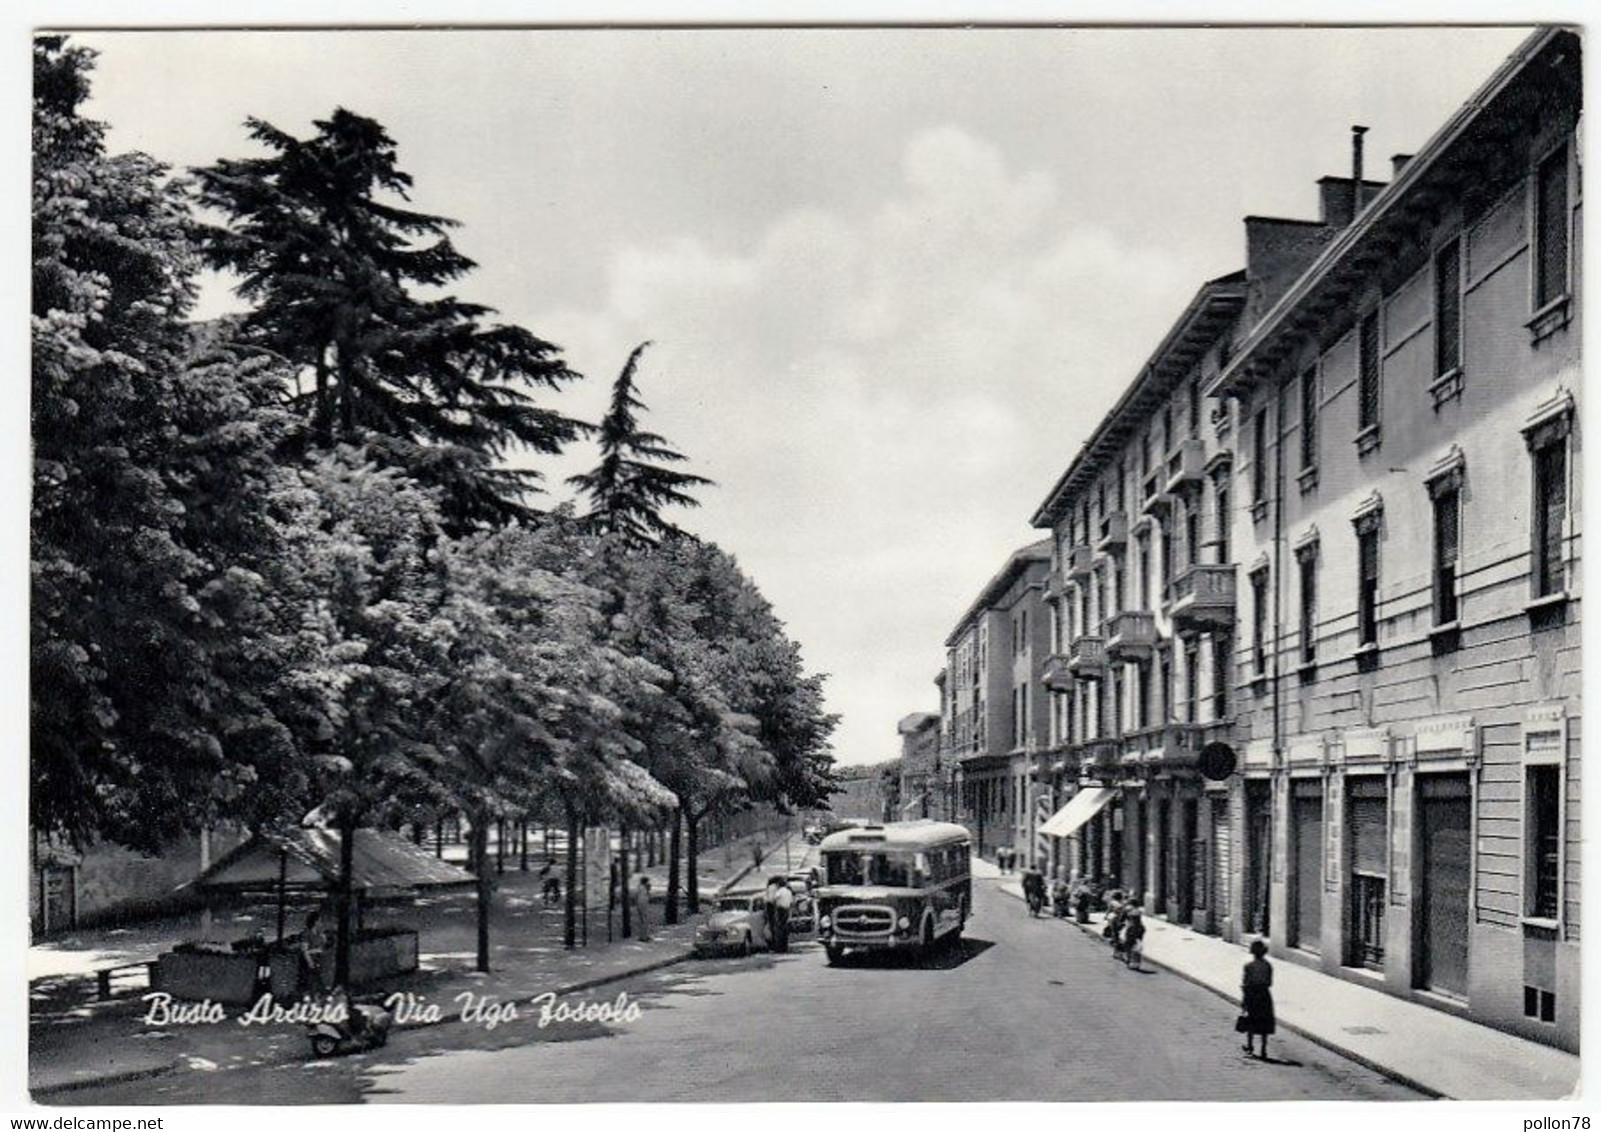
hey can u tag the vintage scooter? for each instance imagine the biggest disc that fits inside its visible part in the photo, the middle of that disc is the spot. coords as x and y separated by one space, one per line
364 1026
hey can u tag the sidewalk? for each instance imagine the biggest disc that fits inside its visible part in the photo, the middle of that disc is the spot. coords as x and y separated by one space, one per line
75 1040
1425 1048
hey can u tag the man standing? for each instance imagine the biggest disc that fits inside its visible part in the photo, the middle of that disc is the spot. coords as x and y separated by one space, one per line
642 910
778 907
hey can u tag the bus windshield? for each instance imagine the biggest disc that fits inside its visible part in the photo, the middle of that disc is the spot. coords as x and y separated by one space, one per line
892 870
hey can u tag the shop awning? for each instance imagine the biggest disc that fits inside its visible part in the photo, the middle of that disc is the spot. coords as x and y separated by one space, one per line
1084 805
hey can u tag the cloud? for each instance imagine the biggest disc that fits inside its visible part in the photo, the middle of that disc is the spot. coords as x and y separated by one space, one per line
882 396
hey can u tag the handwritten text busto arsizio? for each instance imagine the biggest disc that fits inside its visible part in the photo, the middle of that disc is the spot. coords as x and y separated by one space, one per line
409 1009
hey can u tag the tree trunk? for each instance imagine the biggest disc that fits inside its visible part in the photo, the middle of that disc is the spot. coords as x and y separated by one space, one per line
522 840
322 424
674 847
569 929
692 822
480 836
439 837
347 395
622 886
343 931
500 847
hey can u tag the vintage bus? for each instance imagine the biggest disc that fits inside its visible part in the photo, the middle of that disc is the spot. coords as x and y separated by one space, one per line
897 886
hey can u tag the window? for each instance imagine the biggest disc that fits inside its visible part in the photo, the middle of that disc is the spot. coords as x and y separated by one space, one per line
1117 700
1309 419
1222 657
1367 585
1165 680
1192 533
1143 578
1142 692
1542 823
1551 229
1368 373
1259 457
1167 427
1195 408
1550 508
1308 564
1259 621
1448 309
1122 472
1447 549
1192 680
1223 518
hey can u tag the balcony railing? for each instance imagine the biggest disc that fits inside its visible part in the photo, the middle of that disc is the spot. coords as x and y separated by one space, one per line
1186 465
1114 532
1058 674
1170 746
1203 597
1130 635
1080 563
1086 658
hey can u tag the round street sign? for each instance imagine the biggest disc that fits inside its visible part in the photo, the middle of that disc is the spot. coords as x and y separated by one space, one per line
1216 761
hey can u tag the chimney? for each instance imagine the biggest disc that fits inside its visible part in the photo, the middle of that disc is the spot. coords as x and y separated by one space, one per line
1356 170
1398 163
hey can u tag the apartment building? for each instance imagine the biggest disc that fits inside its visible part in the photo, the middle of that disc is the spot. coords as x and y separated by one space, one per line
994 716
1315 585
1407 538
1141 628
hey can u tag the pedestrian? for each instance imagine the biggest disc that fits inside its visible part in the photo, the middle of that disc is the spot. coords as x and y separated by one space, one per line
783 899
642 910
1112 930
1133 937
1256 993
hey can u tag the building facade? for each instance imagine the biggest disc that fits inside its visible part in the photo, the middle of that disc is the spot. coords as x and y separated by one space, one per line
994 716
1408 450
1332 529
920 793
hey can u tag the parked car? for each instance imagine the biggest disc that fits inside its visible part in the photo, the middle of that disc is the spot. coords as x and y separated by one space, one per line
738 924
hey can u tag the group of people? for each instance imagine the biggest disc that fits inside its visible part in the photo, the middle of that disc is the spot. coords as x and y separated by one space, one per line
1125 928
780 898
1006 859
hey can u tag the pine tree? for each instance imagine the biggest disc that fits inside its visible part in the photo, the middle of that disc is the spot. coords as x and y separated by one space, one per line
633 483
333 267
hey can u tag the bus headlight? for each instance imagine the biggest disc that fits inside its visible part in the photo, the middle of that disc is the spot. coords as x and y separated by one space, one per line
903 923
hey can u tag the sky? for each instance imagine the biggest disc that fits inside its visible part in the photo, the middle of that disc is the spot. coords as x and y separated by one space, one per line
892 278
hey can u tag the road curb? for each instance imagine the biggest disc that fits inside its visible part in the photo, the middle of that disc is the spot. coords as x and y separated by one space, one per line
1316 1039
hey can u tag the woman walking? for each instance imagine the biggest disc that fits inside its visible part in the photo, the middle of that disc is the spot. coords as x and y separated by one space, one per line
1256 1019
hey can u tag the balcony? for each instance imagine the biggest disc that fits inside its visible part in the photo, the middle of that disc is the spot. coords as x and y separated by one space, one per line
1058 674
1114 533
1130 635
1203 598
1156 501
1080 563
1086 659
1055 584
1186 466
1171 746
1098 758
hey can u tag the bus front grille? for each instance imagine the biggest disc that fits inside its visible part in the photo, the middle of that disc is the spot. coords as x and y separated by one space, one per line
864 920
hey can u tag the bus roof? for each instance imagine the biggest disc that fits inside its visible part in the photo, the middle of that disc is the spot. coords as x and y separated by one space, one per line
923 834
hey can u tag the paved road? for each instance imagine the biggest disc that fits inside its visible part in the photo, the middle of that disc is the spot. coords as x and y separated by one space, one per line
1022 1010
